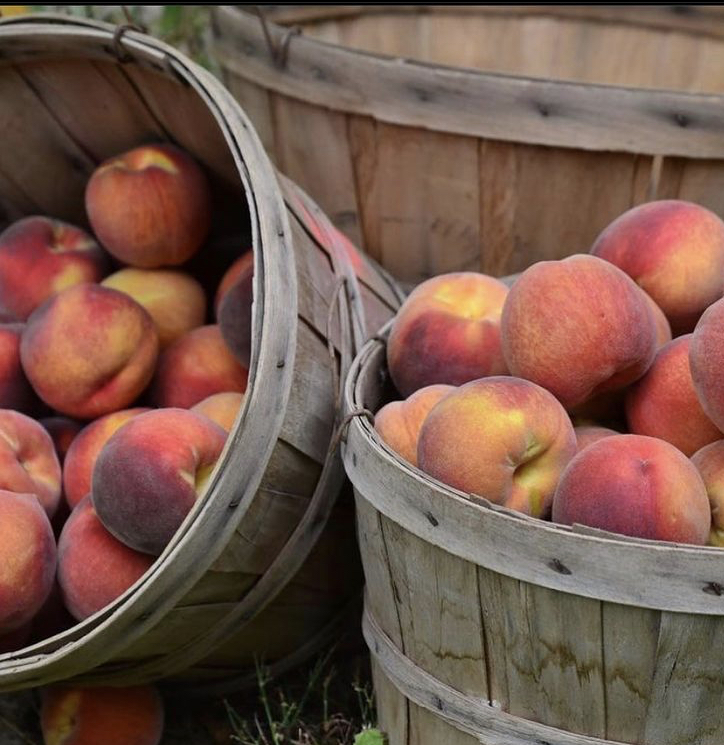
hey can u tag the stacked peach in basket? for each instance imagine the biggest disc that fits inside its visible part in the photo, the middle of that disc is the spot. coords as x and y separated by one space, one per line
565 396
121 375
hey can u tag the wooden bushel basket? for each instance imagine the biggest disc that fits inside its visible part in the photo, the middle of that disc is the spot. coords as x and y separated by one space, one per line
266 562
487 626
446 138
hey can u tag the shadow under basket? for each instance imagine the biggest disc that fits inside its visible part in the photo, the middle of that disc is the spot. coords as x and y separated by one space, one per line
445 138
488 626
266 563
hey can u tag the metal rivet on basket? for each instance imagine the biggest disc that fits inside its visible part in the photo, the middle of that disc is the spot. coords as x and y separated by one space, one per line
433 520
713 588
558 566
681 119
281 363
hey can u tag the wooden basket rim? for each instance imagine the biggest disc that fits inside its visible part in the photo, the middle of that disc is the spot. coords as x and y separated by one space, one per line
228 496
471 102
577 560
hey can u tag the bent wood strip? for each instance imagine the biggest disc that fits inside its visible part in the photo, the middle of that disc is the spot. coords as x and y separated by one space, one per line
470 714
631 572
500 107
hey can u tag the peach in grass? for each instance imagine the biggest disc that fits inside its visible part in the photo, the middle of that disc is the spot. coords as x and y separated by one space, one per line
94 567
634 485
89 350
502 438
85 448
28 461
398 423
664 403
447 331
194 367
579 327
674 250
72 715
27 559
150 206
150 473
40 257
175 300
222 408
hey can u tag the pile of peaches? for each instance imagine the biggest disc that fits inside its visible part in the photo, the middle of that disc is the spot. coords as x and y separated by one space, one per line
121 375
590 391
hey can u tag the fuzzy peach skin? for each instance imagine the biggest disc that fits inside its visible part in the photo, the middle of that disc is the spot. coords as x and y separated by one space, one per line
108 716
664 403
89 350
40 257
150 473
706 361
587 434
174 299
150 206
83 452
94 567
398 423
709 461
233 304
28 461
222 408
635 485
27 559
447 331
663 327
62 431
194 367
675 251
578 327
503 438
15 389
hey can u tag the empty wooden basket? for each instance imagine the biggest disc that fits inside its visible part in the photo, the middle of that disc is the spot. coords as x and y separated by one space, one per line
486 626
444 138
267 560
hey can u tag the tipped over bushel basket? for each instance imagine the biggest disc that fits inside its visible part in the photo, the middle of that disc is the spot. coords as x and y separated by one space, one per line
266 562
444 138
488 626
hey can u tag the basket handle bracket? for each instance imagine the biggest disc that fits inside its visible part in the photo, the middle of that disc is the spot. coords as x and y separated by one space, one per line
279 51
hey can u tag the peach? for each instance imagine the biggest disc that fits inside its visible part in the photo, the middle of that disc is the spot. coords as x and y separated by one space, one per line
83 452
664 404
94 567
15 390
62 431
447 331
706 361
663 327
89 350
674 250
587 434
194 367
27 559
503 438
175 300
233 303
578 327
635 485
222 408
150 206
113 716
398 423
709 461
28 461
40 257
151 472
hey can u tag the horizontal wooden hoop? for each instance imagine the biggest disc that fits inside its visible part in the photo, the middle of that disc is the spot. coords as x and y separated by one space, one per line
469 714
